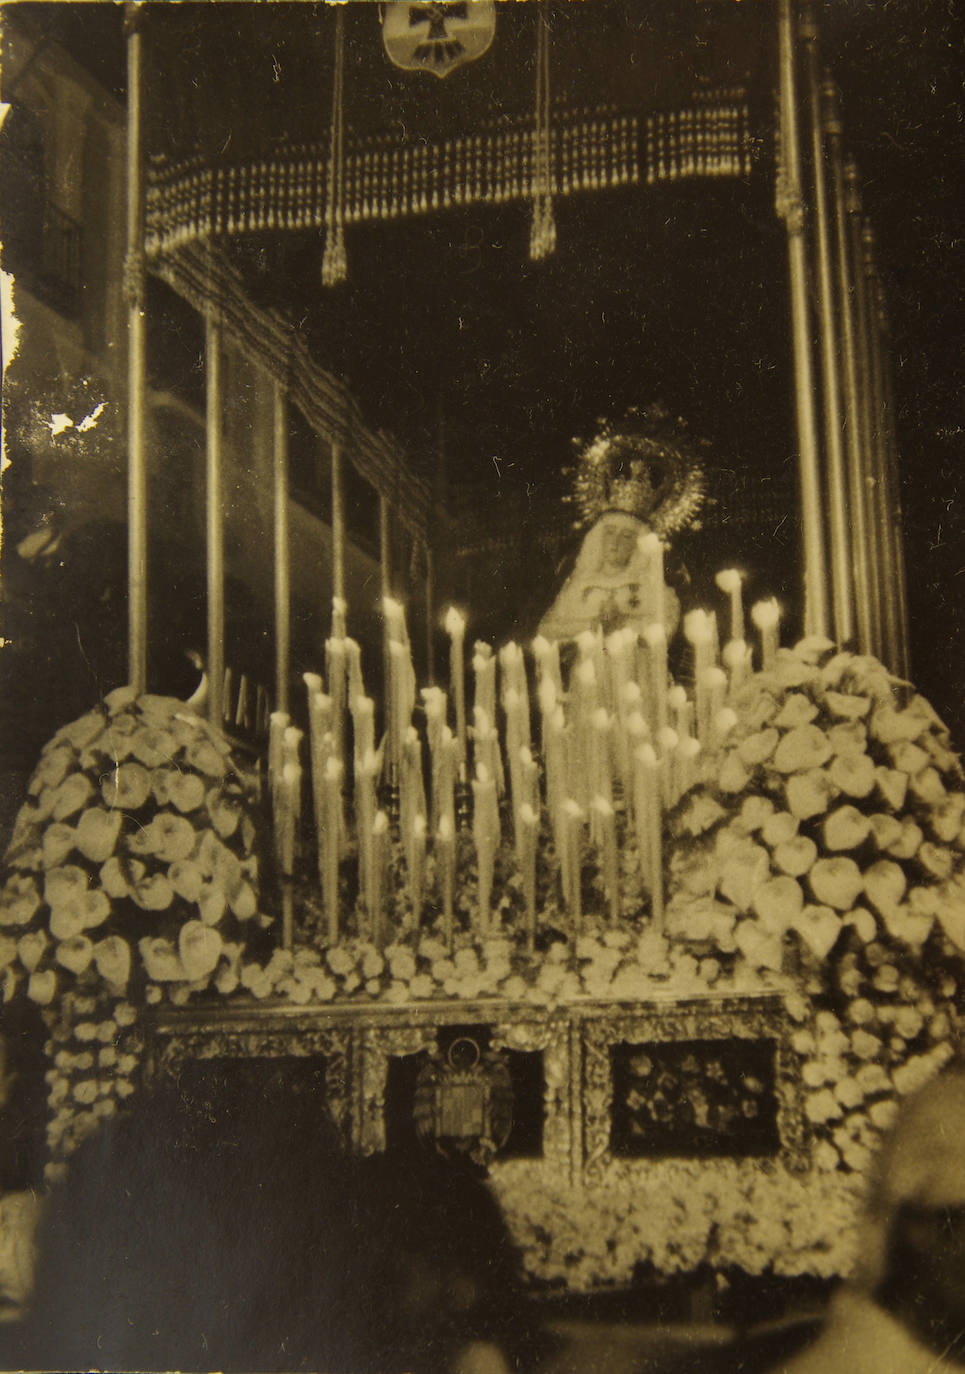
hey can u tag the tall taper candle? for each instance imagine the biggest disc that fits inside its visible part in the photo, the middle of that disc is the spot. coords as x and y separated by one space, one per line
729 582
446 871
332 793
528 830
656 637
766 615
456 629
380 872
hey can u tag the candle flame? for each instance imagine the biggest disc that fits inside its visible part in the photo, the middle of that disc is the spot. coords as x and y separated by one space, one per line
454 623
766 614
729 580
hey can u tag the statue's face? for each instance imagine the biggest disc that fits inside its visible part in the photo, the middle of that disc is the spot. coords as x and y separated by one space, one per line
617 545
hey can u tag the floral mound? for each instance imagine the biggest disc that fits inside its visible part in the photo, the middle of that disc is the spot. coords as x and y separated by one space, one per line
131 865
832 845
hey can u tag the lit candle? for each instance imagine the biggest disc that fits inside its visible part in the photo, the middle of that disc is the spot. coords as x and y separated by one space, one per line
353 660
528 829
601 780
667 741
607 848
339 610
456 629
652 550
651 777
656 639
380 870
688 751
332 811
363 726
585 700
766 615
485 828
699 632
366 774
321 747
278 723
573 824
313 683
529 778
397 716
393 614
415 863
641 812
446 870
724 722
335 660
286 820
448 767
484 673
434 702
729 582
736 658
546 652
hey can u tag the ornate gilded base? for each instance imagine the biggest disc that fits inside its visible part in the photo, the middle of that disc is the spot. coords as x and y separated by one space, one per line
670 1131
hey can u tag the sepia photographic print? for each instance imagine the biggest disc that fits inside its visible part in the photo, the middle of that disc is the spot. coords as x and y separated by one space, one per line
481 687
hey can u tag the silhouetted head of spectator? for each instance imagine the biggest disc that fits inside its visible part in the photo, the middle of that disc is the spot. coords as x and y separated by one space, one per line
913 1261
441 1270
179 1241
23 1097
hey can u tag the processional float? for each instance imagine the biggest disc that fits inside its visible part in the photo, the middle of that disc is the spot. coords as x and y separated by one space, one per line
663 955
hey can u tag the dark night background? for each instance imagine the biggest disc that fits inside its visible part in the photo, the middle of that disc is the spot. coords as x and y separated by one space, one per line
675 294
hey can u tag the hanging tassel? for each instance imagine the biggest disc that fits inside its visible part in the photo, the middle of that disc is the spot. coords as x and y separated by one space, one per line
542 239
334 263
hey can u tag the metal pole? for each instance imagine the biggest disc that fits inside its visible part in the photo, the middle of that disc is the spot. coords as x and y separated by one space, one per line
842 590
338 527
282 547
430 616
215 518
136 290
902 665
385 544
883 506
850 381
790 207
855 232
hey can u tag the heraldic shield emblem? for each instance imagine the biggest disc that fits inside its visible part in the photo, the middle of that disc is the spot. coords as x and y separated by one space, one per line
437 35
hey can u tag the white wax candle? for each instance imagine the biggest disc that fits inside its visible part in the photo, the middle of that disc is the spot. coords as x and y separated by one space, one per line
736 658
446 871
651 774
415 862
688 751
729 581
332 810
573 821
528 829
607 850
353 659
286 815
485 826
380 868
363 721
652 550
456 629
656 638
766 615
278 723
335 660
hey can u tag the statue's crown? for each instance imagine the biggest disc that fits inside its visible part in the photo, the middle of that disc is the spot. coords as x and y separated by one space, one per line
646 465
